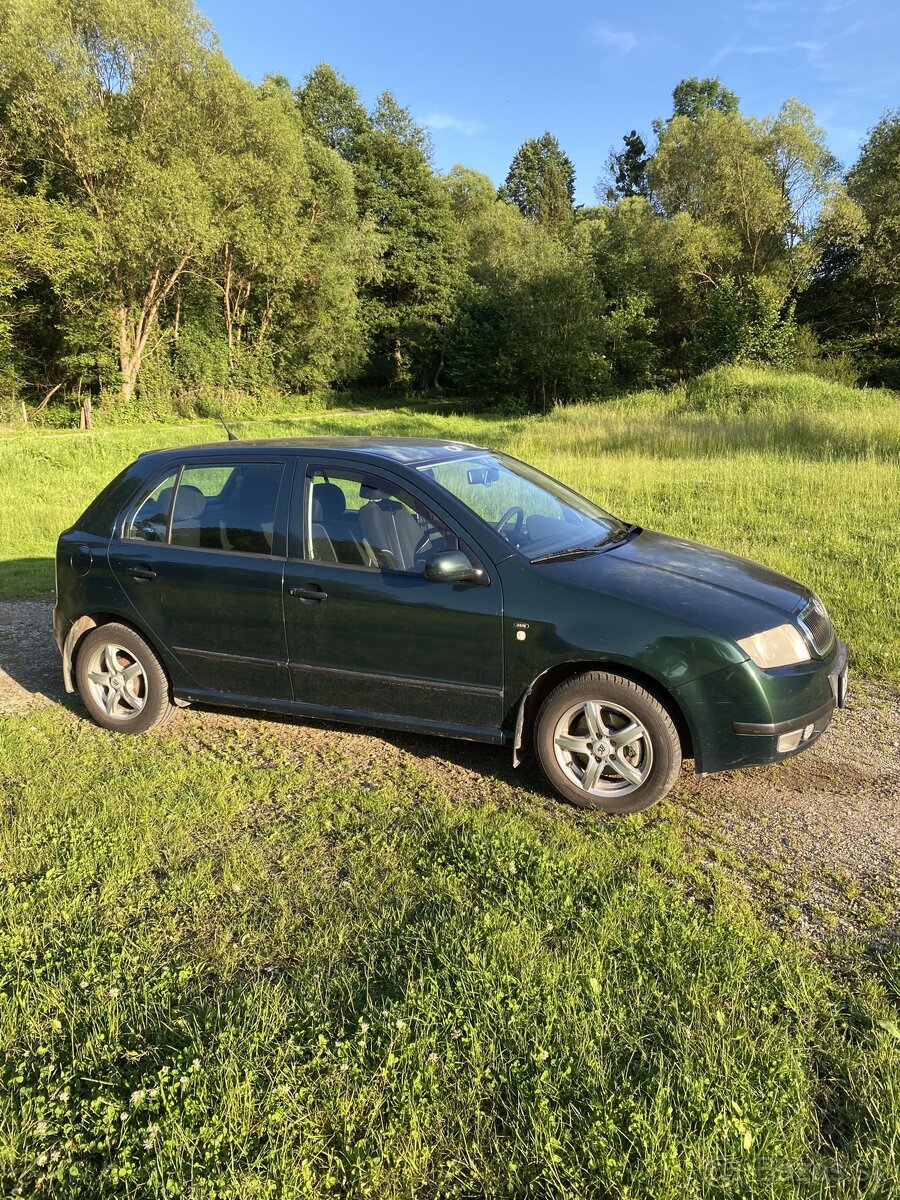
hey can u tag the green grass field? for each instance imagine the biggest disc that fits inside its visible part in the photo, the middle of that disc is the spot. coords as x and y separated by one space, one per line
232 967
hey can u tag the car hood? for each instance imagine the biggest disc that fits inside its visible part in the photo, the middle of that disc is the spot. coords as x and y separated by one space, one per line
706 586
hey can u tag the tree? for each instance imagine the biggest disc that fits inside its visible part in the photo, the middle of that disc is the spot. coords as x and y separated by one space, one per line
407 304
288 237
762 185
332 110
117 104
854 302
873 185
541 182
627 171
693 97
526 321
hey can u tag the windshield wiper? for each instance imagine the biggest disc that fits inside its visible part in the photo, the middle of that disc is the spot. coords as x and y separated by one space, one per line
571 552
617 535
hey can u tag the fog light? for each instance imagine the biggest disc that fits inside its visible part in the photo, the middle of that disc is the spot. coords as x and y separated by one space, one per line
789 741
808 732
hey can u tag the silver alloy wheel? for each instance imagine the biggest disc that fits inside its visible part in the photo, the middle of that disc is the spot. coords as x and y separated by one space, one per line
117 681
603 748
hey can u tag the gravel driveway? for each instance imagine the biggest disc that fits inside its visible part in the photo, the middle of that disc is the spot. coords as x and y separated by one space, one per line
816 839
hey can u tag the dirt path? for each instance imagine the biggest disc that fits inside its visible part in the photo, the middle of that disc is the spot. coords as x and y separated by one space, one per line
816 839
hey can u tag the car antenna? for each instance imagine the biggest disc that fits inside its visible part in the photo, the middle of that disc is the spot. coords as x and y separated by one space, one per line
231 436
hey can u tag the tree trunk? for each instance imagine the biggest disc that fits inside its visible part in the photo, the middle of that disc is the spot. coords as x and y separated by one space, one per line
134 332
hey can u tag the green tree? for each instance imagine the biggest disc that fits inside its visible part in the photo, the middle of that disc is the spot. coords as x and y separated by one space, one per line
332 110
526 321
541 182
120 102
693 97
408 302
626 171
874 185
290 249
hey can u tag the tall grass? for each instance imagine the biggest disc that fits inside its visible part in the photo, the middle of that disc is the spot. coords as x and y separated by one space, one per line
795 471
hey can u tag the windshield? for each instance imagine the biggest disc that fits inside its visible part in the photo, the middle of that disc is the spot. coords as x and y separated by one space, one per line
533 512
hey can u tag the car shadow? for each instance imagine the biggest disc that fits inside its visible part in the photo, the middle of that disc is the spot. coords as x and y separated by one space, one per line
30 669
481 759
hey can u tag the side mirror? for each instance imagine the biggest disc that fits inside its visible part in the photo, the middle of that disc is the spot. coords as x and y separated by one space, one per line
452 566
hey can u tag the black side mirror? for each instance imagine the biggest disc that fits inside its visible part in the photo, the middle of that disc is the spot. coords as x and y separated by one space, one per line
452 566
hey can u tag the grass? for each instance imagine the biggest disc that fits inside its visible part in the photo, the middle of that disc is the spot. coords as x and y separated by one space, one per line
794 471
230 973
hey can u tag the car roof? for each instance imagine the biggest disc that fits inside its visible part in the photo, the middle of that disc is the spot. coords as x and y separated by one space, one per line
412 451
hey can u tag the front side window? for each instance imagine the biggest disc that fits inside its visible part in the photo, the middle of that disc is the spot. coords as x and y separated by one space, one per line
533 512
359 519
223 506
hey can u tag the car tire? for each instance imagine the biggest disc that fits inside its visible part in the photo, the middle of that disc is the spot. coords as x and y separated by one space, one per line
604 742
121 681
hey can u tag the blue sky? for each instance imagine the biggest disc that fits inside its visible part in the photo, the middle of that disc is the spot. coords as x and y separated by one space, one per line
484 76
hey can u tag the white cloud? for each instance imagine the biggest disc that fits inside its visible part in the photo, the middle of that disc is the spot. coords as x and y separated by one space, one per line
439 120
622 41
810 49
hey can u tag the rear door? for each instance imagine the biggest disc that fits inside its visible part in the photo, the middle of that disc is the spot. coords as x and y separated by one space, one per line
201 559
367 632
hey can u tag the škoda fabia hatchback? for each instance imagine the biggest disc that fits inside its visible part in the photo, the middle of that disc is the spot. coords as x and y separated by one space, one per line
438 588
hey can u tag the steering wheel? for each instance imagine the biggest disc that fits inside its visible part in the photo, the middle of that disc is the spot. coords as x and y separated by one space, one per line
513 517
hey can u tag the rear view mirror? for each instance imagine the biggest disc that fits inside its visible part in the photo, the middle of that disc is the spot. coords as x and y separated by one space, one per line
483 475
452 566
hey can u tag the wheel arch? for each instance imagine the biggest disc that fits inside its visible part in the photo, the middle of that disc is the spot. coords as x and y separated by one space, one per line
82 626
543 685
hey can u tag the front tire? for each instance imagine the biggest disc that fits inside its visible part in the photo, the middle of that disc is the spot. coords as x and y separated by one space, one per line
605 742
121 681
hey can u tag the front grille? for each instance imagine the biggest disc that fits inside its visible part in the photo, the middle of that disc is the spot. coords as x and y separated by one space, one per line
817 624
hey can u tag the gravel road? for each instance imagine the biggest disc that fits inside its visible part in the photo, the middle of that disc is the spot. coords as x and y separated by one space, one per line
816 839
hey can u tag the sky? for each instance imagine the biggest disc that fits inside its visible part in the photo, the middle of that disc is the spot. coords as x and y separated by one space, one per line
484 75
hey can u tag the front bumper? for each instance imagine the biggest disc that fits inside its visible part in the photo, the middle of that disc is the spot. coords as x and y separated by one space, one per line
780 713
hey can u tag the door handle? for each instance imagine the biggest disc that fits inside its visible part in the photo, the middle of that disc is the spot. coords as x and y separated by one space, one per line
312 594
142 574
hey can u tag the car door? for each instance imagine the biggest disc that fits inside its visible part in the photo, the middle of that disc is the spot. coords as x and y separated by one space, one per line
367 632
200 557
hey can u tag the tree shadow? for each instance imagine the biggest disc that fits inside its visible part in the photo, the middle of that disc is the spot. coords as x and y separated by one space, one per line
27 578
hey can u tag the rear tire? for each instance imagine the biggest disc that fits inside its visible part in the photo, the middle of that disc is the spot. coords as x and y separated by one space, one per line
605 742
121 681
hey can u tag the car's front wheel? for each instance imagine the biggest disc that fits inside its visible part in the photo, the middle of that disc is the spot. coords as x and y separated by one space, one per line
605 742
123 684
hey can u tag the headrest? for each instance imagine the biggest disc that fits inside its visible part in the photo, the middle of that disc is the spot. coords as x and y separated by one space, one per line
330 500
162 502
377 496
189 503
368 491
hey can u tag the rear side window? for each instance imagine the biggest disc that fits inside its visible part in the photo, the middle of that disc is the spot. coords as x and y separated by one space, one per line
150 523
224 506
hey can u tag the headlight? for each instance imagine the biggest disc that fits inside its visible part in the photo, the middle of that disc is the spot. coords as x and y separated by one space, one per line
777 647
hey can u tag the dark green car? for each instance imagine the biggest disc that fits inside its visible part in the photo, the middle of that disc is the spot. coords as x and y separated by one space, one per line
440 588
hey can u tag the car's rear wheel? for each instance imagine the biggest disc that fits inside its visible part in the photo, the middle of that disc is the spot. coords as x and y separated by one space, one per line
123 684
605 742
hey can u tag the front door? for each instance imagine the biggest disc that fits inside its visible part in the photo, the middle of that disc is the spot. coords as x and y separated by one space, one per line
367 632
201 559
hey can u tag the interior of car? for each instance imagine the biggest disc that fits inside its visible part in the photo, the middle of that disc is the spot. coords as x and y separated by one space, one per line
385 531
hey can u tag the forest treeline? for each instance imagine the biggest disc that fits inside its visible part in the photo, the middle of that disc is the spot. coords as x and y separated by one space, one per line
166 226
